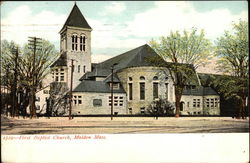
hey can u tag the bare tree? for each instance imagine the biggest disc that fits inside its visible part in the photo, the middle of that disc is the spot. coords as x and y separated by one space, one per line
44 58
59 99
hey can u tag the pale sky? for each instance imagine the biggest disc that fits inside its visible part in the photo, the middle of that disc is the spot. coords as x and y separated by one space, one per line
119 26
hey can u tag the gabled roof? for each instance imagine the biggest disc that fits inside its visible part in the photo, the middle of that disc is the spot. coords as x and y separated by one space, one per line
200 91
61 61
133 58
76 19
96 86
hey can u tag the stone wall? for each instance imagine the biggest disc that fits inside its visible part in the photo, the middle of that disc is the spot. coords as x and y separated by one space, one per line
81 58
213 108
88 106
148 73
191 106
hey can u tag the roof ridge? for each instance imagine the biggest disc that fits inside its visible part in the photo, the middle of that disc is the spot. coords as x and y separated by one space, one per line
122 54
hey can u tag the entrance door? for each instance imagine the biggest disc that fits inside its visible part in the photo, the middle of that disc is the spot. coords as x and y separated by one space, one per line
182 106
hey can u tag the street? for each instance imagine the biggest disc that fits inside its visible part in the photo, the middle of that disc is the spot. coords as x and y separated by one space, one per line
120 125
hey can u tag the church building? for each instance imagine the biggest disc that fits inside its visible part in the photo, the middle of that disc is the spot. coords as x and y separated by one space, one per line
136 82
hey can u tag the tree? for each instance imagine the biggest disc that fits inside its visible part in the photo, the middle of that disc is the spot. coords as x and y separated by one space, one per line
232 50
186 53
59 99
44 58
10 76
228 104
160 107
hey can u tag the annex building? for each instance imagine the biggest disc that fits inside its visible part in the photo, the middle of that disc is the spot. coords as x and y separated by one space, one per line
136 82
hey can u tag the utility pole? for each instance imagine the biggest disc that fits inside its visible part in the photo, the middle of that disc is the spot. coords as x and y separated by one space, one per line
14 110
71 85
33 43
7 92
112 70
1 85
112 99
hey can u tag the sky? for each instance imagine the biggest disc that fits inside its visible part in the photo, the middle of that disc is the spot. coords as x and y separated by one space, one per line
119 26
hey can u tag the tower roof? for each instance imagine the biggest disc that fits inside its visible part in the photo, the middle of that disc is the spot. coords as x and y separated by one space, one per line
76 19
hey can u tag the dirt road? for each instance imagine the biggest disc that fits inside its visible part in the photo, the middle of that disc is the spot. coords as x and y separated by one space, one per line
120 125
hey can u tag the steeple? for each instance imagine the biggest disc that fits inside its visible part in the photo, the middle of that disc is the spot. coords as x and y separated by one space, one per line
76 19
75 44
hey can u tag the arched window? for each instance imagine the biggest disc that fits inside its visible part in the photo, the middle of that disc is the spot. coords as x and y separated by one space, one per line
84 69
142 90
155 78
74 42
130 88
182 106
82 43
142 78
79 68
130 91
155 88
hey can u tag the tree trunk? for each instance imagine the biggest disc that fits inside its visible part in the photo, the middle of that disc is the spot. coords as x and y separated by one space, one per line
33 108
242 108
177 103
24 106
243 100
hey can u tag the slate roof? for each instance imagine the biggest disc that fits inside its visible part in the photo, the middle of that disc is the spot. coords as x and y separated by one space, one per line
61 61
133 58
76 19
115 78
200 91
96 73
86 76
96 86
207 79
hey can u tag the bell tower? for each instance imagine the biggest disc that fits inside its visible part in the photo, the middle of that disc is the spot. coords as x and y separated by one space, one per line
75 44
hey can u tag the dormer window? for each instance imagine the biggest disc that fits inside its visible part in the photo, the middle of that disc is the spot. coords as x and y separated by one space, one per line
82 43
115 85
